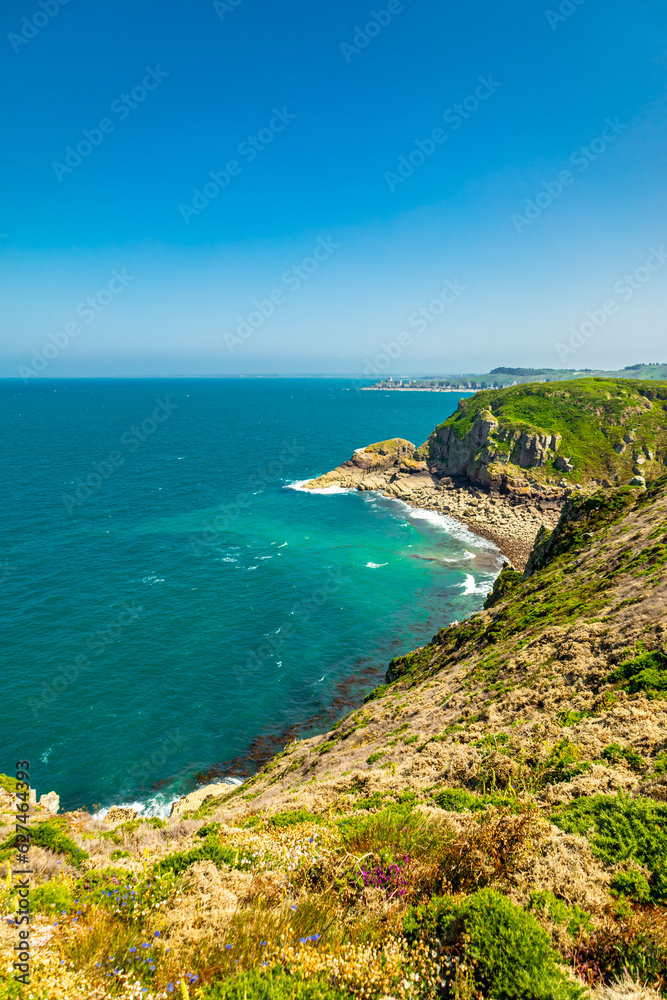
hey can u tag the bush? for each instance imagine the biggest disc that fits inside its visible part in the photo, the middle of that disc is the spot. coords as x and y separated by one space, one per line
635 946
507 581
273 985
458 800
487 851
50 835
52 896
574 918
622 829
393 832
211 850
615 753
510 955
646 672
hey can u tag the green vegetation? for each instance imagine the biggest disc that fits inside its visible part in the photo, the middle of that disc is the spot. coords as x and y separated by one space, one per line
646 672
272 985
506 581
509 955
51 835
604 423
573 918
622 829
459 800
212 850
615 754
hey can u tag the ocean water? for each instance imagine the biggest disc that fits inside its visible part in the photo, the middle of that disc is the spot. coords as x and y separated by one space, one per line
176 607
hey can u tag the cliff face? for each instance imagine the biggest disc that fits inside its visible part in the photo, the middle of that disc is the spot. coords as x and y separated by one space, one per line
491 450
587 432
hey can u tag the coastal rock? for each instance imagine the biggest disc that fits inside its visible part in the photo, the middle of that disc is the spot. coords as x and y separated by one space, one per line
50 801
119 815
368 466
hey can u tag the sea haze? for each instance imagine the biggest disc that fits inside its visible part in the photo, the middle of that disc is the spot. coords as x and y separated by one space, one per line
176 605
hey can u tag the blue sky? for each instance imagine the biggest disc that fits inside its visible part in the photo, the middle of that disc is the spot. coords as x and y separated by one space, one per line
312 251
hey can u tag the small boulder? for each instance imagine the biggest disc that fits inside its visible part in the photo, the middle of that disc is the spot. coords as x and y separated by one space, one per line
50 802
118 815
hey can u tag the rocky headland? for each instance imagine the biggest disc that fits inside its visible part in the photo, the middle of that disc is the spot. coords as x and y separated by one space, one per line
507 460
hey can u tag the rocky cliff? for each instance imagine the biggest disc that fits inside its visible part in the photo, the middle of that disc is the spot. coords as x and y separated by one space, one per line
588 432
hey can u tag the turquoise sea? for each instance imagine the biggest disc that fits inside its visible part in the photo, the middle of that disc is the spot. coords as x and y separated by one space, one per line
176 608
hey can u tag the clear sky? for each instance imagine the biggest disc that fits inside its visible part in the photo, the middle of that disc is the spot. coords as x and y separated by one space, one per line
263 186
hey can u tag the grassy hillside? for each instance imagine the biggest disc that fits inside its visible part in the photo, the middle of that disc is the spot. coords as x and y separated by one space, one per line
609 427
490 824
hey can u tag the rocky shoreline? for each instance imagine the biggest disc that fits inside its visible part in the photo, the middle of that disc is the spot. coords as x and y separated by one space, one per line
511 522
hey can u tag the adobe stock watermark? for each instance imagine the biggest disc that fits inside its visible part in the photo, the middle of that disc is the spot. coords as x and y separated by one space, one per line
419 321
131 440
88 311
582 158
566 9
257 658
378 21
96 643
121 107
31 26
292 279
626 288
230 512
222 7
171 743
249 149
454 116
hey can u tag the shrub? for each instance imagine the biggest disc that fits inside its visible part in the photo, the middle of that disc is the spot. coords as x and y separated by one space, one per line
564 763
646 672
615 753
634 945
50 835
116 855
272 985
394 832
488 851
633 884
510 955
622 829
572 917
52 896
211 850
459 800
507 581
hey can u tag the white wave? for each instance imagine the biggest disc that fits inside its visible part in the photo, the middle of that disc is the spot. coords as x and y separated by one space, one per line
298 486
471 586
248 568
152 579
371 565
446 523
464 558
45 756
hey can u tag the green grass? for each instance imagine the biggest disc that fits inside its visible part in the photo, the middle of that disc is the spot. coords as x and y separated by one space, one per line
459 800
272 985
622 829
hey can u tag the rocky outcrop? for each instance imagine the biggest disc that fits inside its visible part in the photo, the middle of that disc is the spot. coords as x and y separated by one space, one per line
372 466
491 453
